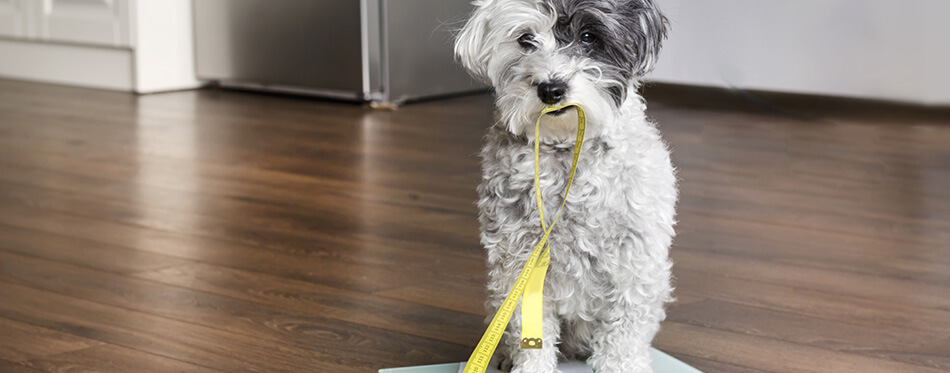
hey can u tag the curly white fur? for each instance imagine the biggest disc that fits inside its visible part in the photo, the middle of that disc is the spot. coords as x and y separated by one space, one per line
609 277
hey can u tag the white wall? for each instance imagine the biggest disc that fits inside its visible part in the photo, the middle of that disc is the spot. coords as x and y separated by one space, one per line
882 49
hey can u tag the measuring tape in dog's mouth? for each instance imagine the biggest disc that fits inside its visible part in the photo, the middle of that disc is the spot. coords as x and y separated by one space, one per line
530 284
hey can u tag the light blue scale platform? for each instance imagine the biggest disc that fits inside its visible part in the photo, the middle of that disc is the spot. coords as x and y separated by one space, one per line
662 363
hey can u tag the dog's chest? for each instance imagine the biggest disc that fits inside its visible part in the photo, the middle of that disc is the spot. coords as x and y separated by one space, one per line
602 187
619 208
608 195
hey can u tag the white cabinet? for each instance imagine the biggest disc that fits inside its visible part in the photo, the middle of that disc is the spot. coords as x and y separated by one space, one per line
142 46
12 18
101 22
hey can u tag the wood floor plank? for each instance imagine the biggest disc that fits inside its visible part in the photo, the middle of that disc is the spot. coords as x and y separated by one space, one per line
771 355
279 155
264 229
825 223
160 336
118 168
267 232
922 348
845 205
898 317
22 342
310 299
112 359
11 367
462 297
869 287
247 319
309 213
894 260
309 264
65 249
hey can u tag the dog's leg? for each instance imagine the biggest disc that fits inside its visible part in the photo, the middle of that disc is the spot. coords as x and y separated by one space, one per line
623 346
542 360
513 358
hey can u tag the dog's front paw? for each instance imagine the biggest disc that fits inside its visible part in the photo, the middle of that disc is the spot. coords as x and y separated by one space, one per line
536 366
526 370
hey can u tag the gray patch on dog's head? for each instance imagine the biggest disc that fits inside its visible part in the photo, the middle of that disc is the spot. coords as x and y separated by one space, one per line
628 35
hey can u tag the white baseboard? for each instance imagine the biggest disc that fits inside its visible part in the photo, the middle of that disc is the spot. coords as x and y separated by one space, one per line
95 67
84 66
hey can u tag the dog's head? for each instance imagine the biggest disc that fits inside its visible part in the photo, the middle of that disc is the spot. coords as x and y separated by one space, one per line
539 53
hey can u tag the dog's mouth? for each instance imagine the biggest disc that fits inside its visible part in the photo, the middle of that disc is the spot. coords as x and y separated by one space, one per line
559 112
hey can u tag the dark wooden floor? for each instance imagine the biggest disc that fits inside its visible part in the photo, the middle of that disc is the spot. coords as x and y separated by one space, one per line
221 231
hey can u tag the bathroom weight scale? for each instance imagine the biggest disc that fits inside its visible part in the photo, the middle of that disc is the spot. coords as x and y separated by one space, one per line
662 363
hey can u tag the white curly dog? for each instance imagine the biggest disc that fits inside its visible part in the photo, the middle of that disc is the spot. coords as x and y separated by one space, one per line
609 278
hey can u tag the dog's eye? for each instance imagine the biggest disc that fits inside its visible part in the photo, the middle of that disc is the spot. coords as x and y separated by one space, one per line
588 38
526 40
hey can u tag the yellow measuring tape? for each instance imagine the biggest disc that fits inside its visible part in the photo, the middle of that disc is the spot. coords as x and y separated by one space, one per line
530 283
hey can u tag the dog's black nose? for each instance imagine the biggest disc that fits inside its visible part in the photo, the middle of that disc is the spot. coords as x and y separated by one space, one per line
552 92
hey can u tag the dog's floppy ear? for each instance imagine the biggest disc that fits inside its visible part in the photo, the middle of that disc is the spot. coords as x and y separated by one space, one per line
648 29
471 47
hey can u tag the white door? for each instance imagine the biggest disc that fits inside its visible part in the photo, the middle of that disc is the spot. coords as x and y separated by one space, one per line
101 22
12 18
